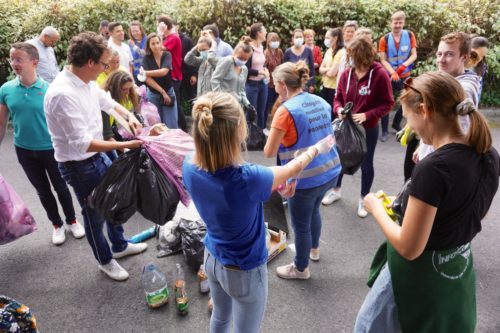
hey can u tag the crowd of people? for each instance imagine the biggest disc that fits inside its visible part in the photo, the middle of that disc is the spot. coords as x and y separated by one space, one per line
63 136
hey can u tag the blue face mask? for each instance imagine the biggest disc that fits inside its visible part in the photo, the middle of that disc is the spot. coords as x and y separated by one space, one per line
204 54
239 62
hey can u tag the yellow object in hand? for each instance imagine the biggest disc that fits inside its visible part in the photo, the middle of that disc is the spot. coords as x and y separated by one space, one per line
387 202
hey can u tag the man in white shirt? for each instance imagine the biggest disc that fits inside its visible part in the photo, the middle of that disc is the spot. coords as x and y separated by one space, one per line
73 105
116 38
47 66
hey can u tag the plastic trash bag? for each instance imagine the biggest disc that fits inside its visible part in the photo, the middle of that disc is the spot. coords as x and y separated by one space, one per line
256 138
116 195
15 218
157 196
169 150
351 142
169 239
192 234
401 201
148 110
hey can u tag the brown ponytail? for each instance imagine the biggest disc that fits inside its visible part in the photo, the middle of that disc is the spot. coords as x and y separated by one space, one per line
219 130
479 135
295 75
444 95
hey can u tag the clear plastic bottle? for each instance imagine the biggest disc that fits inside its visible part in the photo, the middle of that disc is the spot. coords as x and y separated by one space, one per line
181 299
203 280
155 286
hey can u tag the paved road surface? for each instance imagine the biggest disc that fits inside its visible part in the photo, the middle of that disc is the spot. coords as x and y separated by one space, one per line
67 292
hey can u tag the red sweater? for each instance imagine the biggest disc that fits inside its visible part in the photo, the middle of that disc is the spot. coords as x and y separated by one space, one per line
172 43
375 100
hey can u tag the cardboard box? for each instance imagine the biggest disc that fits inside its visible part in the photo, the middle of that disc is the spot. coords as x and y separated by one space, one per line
278 244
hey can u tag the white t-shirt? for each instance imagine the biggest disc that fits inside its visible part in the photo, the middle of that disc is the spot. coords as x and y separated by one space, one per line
125 54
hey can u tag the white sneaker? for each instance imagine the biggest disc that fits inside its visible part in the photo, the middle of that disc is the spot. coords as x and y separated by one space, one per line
361 209
131 250
114 270
76 229
291 272
58 235
314 254
331 196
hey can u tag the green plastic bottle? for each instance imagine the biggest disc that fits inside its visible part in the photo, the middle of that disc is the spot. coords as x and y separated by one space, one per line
181 299
155 286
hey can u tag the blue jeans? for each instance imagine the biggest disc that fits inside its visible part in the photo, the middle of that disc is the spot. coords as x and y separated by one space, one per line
306 220
378 312
41 169
257 96
240 295
272 96
367 169
168 114
84 176
397 87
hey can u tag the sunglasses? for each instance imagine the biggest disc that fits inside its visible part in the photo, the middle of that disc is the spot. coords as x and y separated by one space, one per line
408 85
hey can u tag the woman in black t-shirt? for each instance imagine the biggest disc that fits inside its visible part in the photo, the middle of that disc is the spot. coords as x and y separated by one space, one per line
156 66
429 282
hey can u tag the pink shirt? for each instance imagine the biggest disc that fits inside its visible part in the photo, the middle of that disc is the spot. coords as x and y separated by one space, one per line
258 61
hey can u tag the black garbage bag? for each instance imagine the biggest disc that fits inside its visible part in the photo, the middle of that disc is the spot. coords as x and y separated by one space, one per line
192 233
250 113
401 201
116 195
256 138
351 142
157 196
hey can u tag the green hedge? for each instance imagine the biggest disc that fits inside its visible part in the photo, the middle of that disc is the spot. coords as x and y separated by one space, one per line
429 19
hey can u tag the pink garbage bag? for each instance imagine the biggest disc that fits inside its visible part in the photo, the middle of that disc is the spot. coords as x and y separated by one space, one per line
169 150
147 109
15 218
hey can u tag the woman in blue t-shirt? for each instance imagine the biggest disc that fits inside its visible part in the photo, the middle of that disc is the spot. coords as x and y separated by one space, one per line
228 193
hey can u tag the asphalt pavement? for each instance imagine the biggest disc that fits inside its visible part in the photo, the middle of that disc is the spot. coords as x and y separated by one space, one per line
67 293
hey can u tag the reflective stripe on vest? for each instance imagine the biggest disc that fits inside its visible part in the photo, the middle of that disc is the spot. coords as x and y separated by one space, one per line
319 169
311 116
396 57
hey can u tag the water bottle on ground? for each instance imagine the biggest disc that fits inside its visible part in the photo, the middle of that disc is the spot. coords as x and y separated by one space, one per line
181 299
155 286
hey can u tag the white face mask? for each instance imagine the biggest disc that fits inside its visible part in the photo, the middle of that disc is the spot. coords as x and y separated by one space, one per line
239 62
204 54
298 41
328 43
274 45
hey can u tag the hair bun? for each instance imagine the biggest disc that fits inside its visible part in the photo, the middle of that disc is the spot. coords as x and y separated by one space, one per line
465 107
245 39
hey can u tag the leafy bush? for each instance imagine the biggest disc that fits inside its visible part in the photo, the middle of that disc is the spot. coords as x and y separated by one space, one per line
429 19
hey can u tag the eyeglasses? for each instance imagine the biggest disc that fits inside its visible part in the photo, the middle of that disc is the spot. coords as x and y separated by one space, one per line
106 66
349 23
407 84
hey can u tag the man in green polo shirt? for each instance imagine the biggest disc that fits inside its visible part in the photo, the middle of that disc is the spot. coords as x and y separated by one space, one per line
22 98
